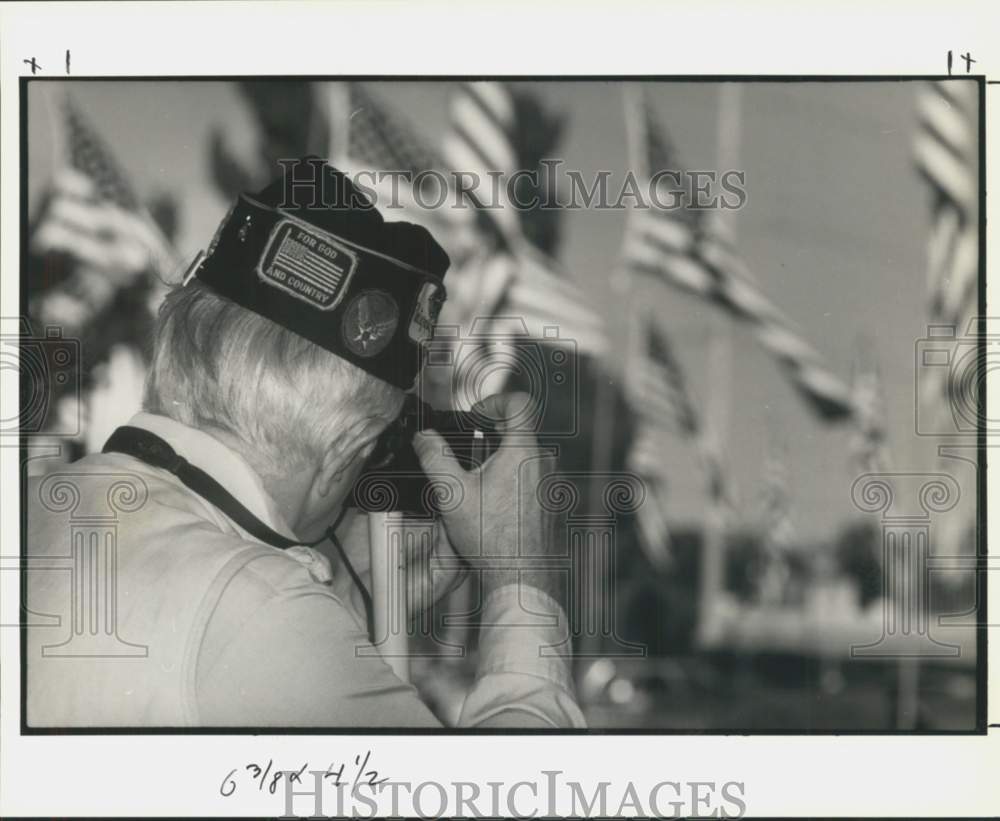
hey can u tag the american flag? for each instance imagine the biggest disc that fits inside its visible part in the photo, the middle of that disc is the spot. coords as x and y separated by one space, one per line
491 279
543 294
94 213
90 155
664 408
660 393
382 138
688 249
945 152
367 136
645 460
654 528
482 140
296 258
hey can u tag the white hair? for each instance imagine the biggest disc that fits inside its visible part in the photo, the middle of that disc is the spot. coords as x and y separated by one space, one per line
218 365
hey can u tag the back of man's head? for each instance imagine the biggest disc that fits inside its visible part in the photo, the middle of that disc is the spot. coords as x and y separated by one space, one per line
219 366
307 314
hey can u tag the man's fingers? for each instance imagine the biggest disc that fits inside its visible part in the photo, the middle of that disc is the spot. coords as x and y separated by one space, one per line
436 457
508 411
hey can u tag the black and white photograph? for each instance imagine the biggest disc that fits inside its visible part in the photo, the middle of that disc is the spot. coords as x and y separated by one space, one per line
677 309
497 407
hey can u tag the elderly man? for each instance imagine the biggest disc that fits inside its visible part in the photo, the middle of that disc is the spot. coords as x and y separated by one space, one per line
276 366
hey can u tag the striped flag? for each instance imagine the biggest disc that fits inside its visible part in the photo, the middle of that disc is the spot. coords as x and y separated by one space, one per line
95 215
946 156
507 296
687 249
664 408
543 294
505 300
945 151
659 391
482 139
644 459
368 137
520 281
654 529
530 286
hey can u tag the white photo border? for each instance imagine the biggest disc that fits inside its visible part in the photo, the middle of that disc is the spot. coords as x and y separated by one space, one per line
785 775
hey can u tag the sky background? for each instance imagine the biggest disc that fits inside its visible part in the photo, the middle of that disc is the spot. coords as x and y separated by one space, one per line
834 229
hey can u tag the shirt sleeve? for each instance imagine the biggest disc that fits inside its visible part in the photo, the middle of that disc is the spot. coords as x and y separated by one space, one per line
523 678
295 655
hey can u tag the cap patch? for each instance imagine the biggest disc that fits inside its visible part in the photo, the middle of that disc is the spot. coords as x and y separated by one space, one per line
307 265
425 312
370 322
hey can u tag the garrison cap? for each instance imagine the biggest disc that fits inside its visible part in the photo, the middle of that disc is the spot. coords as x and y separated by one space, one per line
313 254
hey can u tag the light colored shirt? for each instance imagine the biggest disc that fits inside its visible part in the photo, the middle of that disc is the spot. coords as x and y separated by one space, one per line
190 620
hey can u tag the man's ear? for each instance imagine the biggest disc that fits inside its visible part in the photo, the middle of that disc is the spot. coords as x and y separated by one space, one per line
351 447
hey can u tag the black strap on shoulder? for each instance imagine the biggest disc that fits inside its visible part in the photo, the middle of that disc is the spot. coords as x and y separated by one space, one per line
149 448
154 451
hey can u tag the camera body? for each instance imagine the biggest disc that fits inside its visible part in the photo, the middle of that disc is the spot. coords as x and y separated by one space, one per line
949 370
394 479
49 367
499 353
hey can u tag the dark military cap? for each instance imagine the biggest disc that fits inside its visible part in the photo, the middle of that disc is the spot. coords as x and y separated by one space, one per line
312 253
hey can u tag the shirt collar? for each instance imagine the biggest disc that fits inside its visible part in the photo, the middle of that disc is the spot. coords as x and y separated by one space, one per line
223 464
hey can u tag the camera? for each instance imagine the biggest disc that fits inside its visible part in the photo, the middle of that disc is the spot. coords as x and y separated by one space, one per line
949 371
499 354
49 368
393 479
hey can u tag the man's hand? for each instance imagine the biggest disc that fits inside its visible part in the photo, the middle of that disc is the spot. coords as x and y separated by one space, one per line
428 581
500 526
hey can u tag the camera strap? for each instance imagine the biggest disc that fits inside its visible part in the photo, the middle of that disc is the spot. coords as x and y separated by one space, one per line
149 448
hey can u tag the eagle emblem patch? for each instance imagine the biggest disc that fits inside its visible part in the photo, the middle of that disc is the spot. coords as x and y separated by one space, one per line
370 322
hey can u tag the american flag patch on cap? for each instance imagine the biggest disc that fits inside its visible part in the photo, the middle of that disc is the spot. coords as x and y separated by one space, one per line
308 265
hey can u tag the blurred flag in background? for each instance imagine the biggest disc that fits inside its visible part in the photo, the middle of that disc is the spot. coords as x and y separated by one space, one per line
945 154
686 248
98 257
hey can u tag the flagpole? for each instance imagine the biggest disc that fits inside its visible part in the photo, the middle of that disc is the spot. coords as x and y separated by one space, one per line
872 455
602 437
338 111
720 368
621 283
621 280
